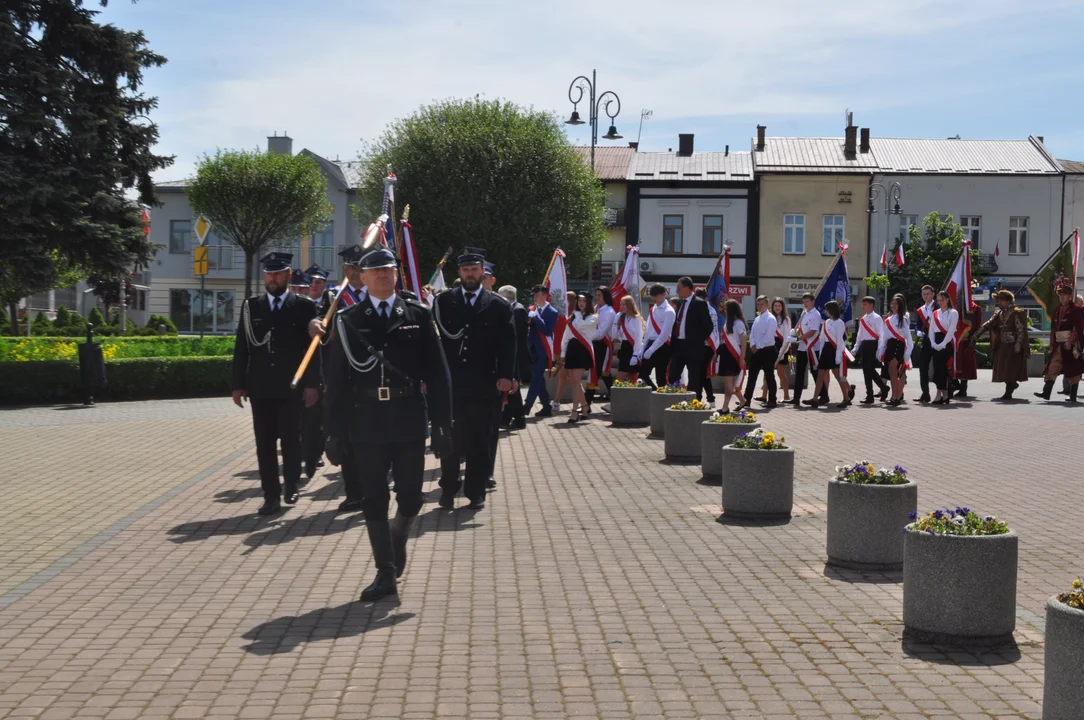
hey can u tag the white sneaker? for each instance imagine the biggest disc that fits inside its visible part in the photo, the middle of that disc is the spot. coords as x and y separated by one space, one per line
556 406
606 408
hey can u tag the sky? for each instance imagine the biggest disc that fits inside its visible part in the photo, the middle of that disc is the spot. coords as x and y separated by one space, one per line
333 73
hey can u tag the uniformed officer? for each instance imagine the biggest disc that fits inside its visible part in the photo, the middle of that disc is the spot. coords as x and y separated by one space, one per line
299 283
312 418
317 282
480 343
382 350
271 342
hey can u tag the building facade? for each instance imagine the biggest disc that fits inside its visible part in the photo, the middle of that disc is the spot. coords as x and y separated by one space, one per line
611 168
1073 213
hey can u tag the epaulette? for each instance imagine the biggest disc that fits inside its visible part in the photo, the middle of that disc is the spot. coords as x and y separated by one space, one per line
414 303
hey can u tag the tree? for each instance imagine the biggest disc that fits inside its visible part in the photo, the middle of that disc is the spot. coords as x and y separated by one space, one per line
493 175
930 254
256 198
74 137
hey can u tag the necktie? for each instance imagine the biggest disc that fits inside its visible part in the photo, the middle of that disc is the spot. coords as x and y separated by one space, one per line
384 309
470 299
275 304
677 323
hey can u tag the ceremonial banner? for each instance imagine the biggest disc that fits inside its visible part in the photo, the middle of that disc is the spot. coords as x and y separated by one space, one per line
836 285
1060 268
557 283
413 280
628 282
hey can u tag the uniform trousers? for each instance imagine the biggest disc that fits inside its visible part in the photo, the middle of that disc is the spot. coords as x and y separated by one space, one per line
538 384
763 359
352 464
406 460
867 353
801 365
472 440
925 357
312 433
685 355
659 362
709 359
941 360
277 419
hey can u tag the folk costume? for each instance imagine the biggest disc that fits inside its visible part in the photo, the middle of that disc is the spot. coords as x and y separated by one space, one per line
1066 335
1009 346
866 343
966 365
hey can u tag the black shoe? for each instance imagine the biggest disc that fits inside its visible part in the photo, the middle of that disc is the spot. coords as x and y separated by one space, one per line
400 532
447 500
794 401
491 484
310 471
477 505
381 587
320 463
810 403
850 394
869 400
923 399
380 540
844 404
270 508
770 404
350 505
290 496
545 412
1045 393
884 394
520 424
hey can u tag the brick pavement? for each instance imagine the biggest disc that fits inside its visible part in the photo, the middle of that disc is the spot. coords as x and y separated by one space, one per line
598 582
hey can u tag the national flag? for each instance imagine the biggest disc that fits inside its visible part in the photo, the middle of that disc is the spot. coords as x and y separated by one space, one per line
628 282
1059 269
899 256
387 209
437 281
836 285
997 249
718 288
557 284
884 257
410 261
145 216
958 287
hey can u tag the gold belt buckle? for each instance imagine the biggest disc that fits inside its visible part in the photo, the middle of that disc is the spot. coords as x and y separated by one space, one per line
383 393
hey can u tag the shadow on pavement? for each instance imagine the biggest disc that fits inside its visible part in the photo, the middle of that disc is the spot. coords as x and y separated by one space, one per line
961 655
873 577
285 634
236 496
751 522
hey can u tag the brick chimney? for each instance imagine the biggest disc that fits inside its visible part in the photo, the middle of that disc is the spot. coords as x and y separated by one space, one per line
761 129
280 144
685 144
863 145
634 144
850 138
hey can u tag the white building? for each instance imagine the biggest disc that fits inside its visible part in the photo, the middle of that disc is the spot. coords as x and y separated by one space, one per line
1073 215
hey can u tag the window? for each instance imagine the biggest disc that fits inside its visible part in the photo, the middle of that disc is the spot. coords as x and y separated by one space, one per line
673 227
1018 236
833 227
713 235
213 314
139 302
971 225
323 247
219 252
794 234
180 236
906 221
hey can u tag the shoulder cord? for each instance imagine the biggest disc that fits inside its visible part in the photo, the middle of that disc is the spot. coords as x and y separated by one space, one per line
443 330
363 366
245 313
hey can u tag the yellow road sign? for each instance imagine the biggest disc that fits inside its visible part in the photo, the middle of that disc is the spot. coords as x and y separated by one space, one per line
202 227
200 264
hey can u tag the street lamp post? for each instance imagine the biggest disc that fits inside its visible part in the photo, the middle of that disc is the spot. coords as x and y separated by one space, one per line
579 86
891 196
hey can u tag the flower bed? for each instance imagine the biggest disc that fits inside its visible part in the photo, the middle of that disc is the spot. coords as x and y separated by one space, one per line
630 403
758 476
742 418
674 389
864 473
759 439
961 521
627 384
1063 655
114 348
867 511
717 431
682 423
659 401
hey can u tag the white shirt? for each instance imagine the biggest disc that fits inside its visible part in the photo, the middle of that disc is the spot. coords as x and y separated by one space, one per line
663 315
926 311
713 339
836 332
390 300
783 330
949 318
734 338
634 327
684 315
584 326
875 324
281 299
763 333
606 317
903 329
809 322
470 301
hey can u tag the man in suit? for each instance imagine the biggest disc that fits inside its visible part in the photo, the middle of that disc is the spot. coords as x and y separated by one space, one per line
542 320
514 412
692 328
764 354
387 382
479 341
271 342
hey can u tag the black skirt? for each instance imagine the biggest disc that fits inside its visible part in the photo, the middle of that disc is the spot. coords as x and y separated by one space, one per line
827 359
894 351
624 355
785 360
728 365
577 356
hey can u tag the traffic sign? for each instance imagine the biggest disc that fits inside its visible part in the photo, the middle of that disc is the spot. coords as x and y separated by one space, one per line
203 226
200 265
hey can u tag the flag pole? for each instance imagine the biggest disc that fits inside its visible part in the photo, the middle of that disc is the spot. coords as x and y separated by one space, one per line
553 259
440 265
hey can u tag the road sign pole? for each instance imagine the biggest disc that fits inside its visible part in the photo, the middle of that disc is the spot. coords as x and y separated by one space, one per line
201 266
202 303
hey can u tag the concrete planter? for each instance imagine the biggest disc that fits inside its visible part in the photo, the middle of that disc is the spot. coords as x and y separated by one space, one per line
713 436
865 524
1063 686
682 433
658 402
960 589
630 406
1036 364
757 484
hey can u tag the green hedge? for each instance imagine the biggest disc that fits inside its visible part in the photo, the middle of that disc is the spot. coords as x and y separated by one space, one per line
45 348
131 379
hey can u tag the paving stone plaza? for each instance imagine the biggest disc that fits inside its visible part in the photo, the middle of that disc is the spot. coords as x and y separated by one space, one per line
138 582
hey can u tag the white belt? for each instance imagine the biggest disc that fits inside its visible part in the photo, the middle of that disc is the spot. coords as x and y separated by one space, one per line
1063 335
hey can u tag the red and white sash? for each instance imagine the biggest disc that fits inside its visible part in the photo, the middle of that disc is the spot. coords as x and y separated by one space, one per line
634 376
941 328
655 325
896 334
875 336
846 353
735 353
608 365
590 349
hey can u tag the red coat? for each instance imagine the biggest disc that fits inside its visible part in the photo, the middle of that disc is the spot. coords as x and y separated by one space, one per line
1070 319
967 364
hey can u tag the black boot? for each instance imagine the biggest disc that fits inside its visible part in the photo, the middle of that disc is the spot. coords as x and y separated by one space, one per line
1010 388
1047 387
589 395
400 531
1072 392
384 559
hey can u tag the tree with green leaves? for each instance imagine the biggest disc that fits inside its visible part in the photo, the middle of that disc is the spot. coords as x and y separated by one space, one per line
494 175
74 137
255 199
930 253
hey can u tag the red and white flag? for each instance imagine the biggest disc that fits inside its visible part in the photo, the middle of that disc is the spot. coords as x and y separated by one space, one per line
958 288
628 282
884 257
413 279
145 216
997 249
899 256
557 283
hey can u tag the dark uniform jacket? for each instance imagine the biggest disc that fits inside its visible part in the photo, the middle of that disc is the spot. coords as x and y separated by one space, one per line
408 341
698 324
485 352
520 321
265 371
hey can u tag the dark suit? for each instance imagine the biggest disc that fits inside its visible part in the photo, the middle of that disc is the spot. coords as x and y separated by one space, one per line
480 343
264 369
381 434
689 352
539 338
514 410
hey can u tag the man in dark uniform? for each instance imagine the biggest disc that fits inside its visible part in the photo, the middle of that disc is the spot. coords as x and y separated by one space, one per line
299 283
317 282
382 352
312 418
514 414
271 342
480 342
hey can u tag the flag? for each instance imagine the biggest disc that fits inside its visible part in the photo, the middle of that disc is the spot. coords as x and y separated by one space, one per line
958 288
1059 269
899 256
557 284
410 261
997 249
836 285
628 282
145 216
437 281
388 209
884 257
718 288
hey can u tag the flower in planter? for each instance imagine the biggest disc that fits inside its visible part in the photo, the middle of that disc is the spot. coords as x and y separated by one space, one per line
742 418
760 440
961 521
690 405
627 384
675 389
1075 597
864 473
